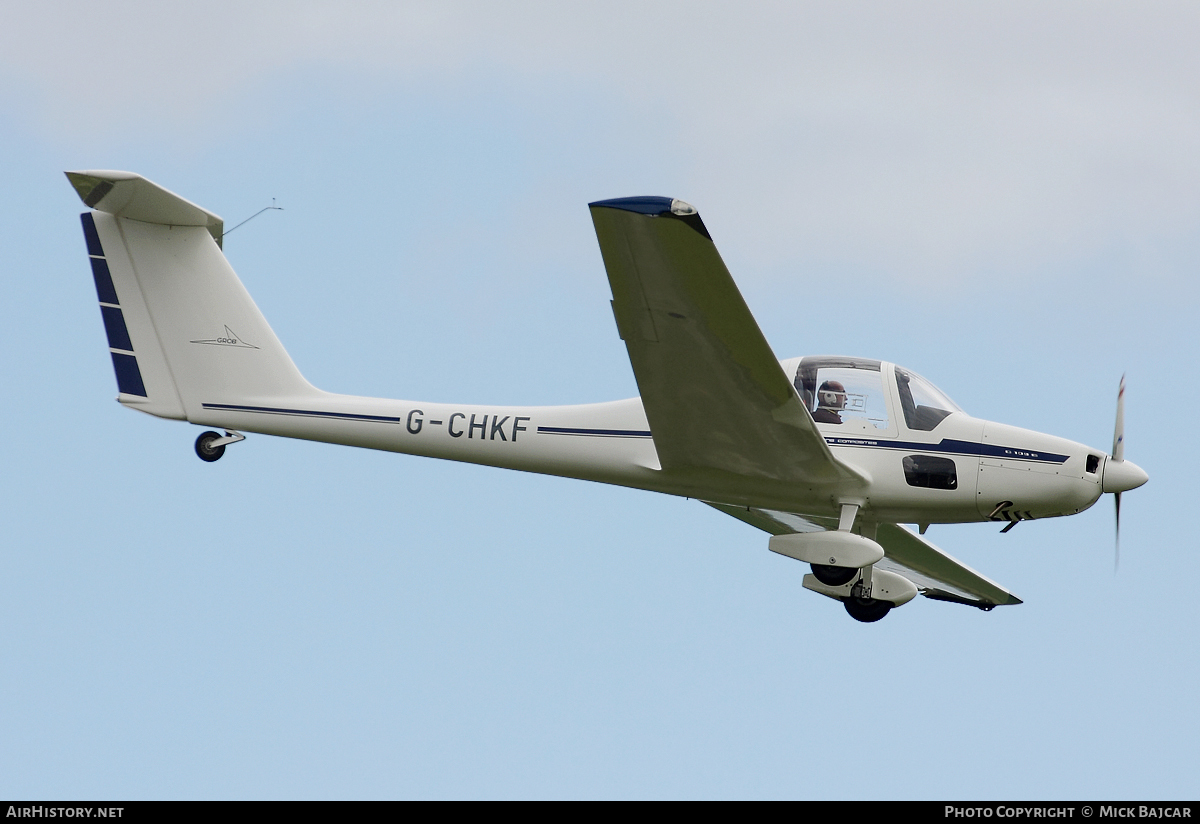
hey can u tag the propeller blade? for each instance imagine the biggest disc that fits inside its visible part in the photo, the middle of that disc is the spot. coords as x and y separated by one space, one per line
1118 450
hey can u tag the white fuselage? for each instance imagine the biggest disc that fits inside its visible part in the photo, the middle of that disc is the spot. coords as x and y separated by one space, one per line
983 470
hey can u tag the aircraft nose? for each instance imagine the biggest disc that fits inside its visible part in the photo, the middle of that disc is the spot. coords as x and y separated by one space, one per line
1122 476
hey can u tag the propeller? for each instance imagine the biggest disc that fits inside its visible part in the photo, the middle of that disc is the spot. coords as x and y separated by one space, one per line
1118 450
1120 475
1118 454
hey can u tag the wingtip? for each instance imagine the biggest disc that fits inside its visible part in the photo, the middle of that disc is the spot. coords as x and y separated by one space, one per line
653 206
642 204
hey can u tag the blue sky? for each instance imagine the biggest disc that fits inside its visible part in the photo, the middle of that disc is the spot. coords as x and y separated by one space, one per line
1002 197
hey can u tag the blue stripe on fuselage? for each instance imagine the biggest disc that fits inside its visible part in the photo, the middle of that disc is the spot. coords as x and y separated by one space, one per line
595 433
953 447
304 413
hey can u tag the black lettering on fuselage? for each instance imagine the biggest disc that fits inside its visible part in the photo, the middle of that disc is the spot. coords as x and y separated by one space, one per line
517 427
488 430
498 422
481 426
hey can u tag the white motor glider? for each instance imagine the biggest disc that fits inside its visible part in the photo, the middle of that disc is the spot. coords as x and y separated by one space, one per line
827 454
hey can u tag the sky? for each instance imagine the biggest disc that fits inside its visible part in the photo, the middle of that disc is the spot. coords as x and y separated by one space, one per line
1004 197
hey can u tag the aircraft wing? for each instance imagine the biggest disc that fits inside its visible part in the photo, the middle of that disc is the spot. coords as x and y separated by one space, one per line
936 574
714 393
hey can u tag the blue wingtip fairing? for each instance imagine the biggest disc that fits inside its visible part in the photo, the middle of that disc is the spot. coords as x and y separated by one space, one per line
646 204
657 207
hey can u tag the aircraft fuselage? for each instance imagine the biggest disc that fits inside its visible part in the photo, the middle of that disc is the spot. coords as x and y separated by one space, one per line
964 470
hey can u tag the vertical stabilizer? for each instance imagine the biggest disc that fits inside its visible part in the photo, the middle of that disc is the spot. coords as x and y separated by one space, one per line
182 330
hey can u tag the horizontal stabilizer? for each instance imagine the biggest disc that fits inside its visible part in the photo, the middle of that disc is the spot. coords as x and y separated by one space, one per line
125 194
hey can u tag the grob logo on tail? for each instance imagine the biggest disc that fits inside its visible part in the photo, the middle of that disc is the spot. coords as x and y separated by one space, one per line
230 338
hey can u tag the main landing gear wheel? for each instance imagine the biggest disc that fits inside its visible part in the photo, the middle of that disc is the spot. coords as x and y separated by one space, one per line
867 610
833 576
206 450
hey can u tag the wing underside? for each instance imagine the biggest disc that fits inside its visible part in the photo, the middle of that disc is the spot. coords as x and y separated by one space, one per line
937 575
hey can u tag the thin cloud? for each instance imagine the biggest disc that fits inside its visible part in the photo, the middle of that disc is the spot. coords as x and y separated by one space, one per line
924 140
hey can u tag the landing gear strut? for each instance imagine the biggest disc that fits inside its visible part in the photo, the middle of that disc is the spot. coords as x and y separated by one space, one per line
210 446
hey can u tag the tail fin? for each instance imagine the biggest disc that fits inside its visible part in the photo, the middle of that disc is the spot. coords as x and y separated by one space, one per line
182 330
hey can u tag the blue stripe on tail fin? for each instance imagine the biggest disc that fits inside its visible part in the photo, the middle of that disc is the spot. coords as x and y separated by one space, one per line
129 376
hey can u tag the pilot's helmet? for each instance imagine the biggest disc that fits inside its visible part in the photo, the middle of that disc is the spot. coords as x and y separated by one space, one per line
831 395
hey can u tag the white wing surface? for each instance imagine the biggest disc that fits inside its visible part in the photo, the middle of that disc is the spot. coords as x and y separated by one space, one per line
937 574
714 393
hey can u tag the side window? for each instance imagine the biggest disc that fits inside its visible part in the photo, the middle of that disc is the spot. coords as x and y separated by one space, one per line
923 403
930 472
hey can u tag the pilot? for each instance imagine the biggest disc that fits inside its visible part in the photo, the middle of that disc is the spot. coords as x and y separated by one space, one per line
831 400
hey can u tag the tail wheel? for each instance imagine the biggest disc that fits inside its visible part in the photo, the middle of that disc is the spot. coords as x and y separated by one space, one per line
205 450
833 576
867 610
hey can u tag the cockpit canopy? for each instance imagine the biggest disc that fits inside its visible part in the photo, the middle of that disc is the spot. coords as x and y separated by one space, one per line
837 390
